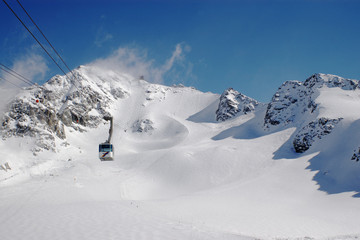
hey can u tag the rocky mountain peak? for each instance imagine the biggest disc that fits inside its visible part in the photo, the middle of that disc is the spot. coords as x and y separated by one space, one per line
295 104
75 101
233 103
287 104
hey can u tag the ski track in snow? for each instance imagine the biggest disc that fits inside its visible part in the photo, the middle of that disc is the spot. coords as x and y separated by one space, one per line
188 178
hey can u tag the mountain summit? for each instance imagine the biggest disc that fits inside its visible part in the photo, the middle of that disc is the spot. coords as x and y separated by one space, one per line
233 103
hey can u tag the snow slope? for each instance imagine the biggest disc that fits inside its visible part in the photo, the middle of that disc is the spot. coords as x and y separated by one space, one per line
178 173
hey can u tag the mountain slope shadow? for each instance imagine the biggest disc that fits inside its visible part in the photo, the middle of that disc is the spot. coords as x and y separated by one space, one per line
287 150
251 129
207 115
336 172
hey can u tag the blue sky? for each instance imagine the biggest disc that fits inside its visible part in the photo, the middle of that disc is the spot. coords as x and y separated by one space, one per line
252 46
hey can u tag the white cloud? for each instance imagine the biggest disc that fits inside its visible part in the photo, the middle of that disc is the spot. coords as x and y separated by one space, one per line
135 62
177 55
32 66
177 68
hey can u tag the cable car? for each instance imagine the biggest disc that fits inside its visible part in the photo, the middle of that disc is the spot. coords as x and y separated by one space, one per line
106 149
106 152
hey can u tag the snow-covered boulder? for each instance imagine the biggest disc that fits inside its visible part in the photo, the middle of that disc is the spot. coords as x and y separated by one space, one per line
233 103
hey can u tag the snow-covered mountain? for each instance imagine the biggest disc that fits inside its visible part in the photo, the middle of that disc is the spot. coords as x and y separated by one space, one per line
194 165
295 104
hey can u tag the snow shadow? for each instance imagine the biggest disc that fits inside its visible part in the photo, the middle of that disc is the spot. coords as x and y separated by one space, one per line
287 151
336 172
246 130
251 129
334 181
207 115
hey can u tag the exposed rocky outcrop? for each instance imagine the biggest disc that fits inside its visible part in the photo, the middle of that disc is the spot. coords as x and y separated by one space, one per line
143 125
319 80
35 116
78 105
317 129
289 103
233 103
356 155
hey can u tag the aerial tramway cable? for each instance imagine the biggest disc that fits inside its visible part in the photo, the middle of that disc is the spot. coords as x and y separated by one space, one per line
45 38
34 36
109 152
16 75
10 82
56 63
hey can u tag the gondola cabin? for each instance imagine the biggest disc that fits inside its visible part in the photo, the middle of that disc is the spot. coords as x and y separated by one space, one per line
106 152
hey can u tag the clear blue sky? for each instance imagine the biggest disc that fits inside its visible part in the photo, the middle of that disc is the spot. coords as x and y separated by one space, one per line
252 46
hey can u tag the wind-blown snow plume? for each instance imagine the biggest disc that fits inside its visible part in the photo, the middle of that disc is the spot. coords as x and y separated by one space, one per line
177 55
7 95
135 62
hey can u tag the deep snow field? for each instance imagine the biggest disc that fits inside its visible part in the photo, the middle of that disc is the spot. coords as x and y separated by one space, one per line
189 178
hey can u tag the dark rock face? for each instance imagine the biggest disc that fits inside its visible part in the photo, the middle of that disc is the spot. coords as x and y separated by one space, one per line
233 103
356 155
289 104
312 131
78 105
319 80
